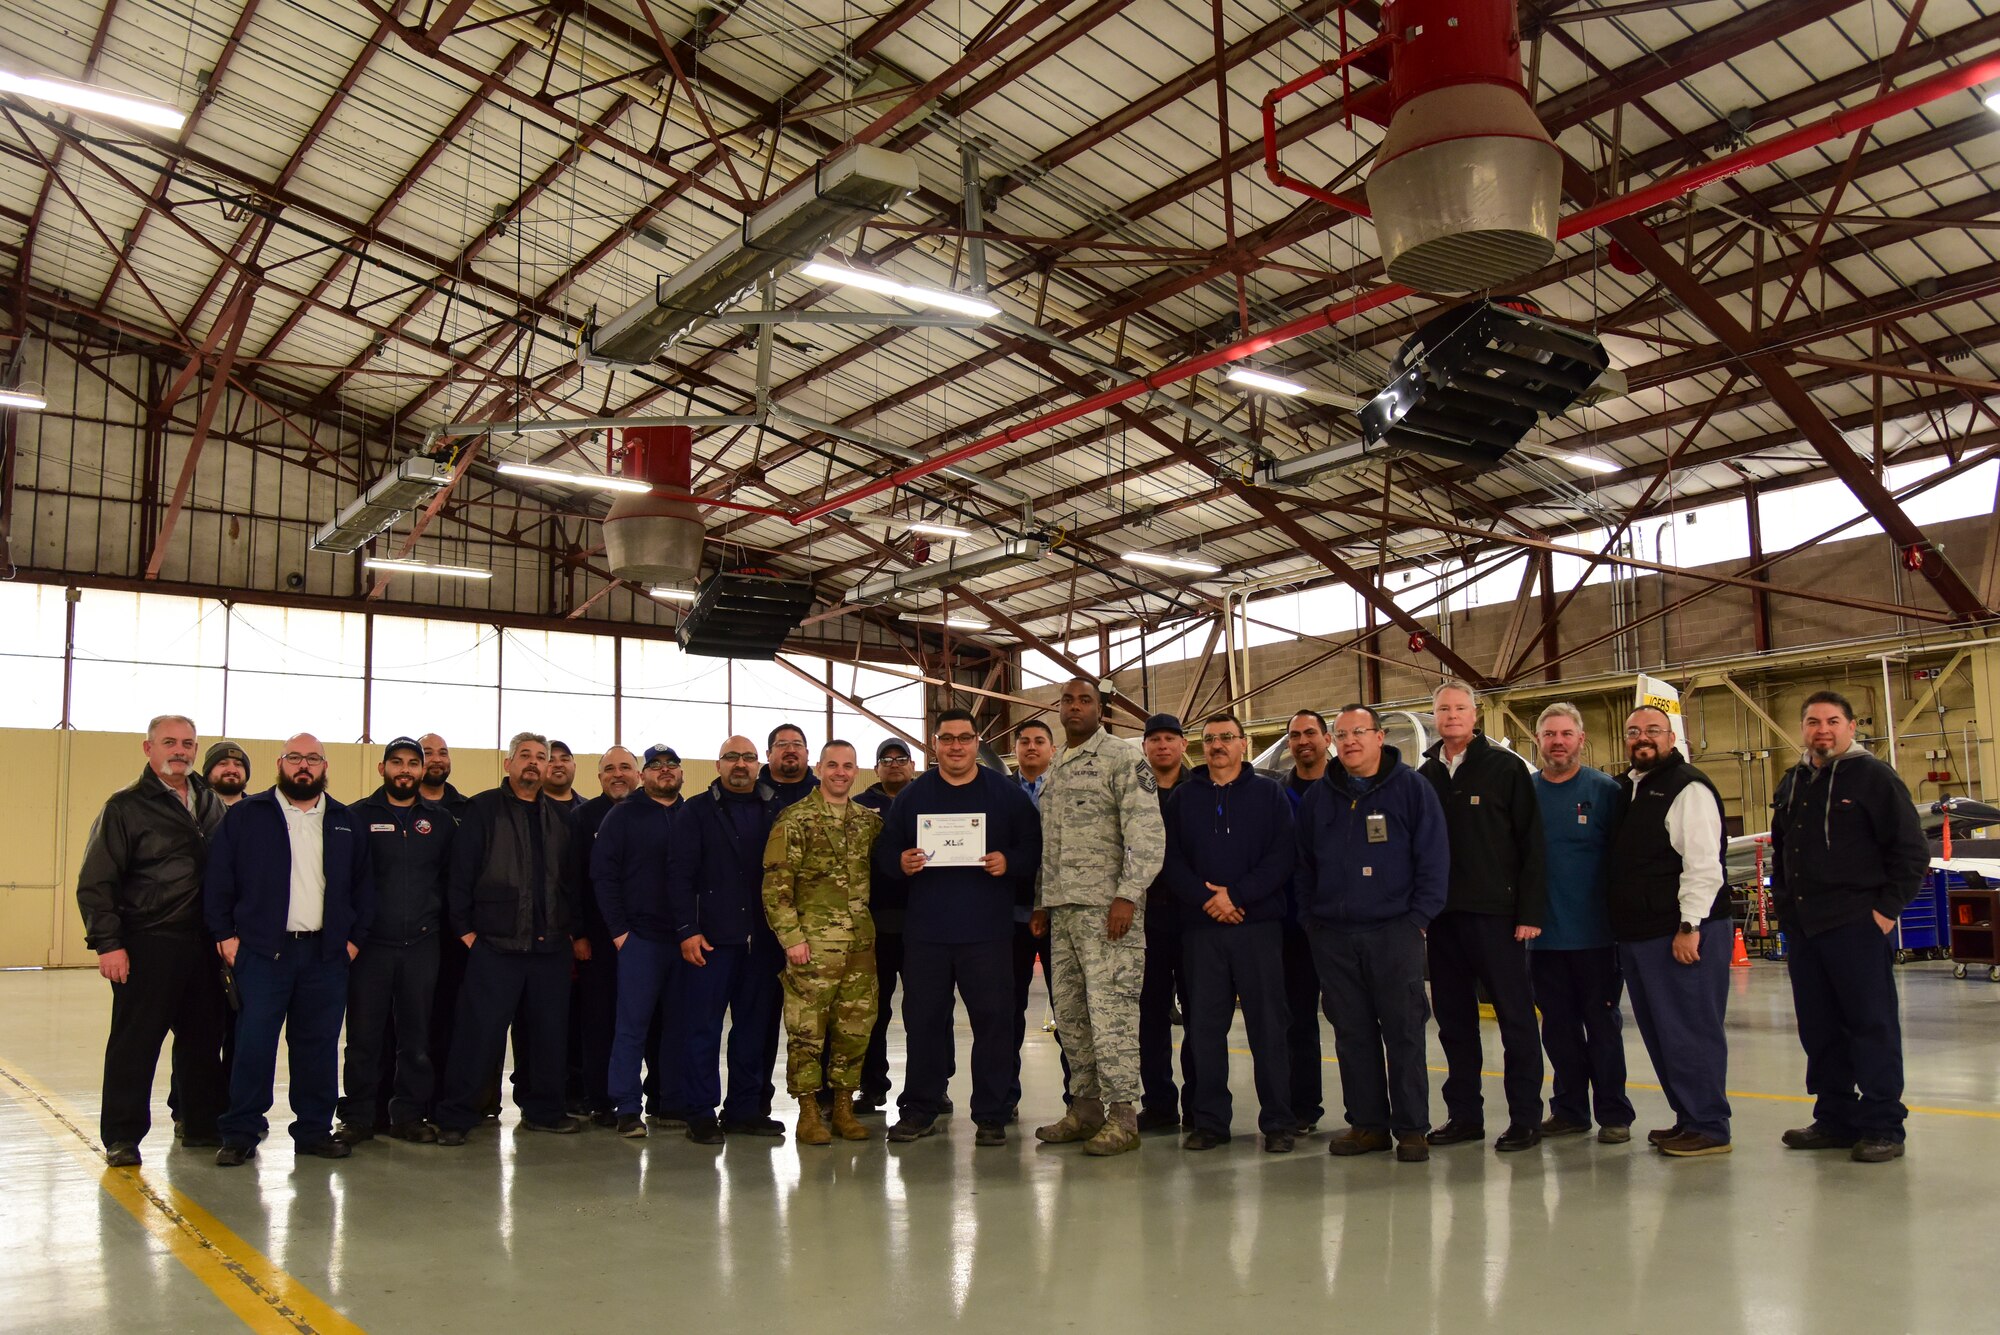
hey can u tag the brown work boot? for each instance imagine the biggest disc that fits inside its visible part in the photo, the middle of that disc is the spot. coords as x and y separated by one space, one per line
1081 1122
1119 1133
845 1124
1358 1140
1412 1147
811 1129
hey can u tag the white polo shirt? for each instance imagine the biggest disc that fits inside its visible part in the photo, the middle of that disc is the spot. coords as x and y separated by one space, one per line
307 830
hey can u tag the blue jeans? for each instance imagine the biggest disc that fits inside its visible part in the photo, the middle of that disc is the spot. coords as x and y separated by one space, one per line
1679 1008
303 992
644 966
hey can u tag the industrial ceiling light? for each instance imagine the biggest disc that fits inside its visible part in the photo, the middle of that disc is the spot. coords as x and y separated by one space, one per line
954 569
840 195
951 621
1163 561
930 528
22 399
1993 101
1588 463
1264 380
426 568
93 100
595 481
822 272
410 484
671 595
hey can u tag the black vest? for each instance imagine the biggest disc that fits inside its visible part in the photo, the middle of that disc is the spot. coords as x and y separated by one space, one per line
1645 871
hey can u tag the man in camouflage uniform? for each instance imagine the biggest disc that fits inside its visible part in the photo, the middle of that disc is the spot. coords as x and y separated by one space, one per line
1102 844
816 899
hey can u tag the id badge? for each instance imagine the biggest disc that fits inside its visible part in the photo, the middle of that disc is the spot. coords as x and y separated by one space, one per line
1378 828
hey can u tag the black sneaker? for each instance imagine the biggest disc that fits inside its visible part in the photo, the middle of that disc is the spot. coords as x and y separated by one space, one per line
1455 1132
1202 1140
1876 1151
606 1120
232 1156
563 1126
1159 1119
755 1126
353 1135
908 1129
1278 1142
416 1132
197 1142
632 1126
1815 1137
1516 1138
322 1149
122 1155
867 1105
990 1133
704 1131
450 1135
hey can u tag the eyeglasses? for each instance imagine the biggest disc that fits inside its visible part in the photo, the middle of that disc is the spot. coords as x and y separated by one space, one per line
1222 739
671 764
957 738
295 758
788 746
738 757
1357 734
1634 734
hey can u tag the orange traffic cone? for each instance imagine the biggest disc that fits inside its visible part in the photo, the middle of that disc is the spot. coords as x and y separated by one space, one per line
1740 959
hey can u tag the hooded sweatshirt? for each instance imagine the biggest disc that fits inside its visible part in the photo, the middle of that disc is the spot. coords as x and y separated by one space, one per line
1845 841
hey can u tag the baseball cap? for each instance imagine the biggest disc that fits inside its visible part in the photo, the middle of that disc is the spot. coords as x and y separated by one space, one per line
1164 723
892 746
403 744
660 751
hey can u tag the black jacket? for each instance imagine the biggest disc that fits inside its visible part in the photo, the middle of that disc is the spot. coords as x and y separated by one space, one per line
888 892
493 880
410 848
1237 835
584 823
715 882
142 868
1497 856
1845 841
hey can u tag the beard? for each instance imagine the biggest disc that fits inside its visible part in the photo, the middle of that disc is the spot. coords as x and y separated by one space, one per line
401 785
227 787
435 774
301 787
1644 758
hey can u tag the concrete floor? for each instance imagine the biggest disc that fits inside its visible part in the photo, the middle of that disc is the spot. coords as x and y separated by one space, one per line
526 1232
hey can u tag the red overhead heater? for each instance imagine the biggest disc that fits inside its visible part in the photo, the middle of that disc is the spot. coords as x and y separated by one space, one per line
649 537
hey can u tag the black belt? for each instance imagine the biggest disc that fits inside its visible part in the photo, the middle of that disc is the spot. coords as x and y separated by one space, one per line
301 936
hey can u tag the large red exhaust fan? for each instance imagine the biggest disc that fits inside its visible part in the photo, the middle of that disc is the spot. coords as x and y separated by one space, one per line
651 538
1466 187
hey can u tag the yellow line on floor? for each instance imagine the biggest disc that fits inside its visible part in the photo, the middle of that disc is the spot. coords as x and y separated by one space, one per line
1734 1093
261 1293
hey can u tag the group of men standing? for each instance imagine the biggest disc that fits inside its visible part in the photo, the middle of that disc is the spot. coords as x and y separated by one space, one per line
621 938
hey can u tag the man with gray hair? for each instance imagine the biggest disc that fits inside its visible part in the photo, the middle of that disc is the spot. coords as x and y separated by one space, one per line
1495 906
1574 960
511 905
140 895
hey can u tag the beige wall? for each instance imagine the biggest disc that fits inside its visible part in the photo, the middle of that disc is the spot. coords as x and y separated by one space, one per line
55 783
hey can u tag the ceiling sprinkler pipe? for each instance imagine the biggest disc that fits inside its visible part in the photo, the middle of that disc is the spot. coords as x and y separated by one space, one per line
1835 126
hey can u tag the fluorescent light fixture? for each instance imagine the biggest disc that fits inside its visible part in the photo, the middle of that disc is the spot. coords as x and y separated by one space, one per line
1162 561
425 568
1264 380
1297 472
954 622
595 481
669 595
822 272
840 194
92 99
1993 101
410 484
933 528
1588 463
22 399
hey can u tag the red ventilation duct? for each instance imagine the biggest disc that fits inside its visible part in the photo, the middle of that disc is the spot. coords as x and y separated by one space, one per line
653 537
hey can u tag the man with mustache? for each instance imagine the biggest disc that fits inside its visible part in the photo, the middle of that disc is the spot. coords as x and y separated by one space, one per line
226 770
140 894
436 786
510 905
1670 914
593 1002
395 975
289 897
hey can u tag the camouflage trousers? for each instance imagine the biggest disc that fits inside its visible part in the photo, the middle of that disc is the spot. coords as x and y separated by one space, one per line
1095 983
829 1013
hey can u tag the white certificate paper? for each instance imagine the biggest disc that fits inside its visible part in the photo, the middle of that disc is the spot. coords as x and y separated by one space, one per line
952 841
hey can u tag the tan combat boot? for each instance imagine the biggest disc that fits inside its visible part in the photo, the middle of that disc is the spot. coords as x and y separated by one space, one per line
1119 1133
845 1124
1081 1122
812 1129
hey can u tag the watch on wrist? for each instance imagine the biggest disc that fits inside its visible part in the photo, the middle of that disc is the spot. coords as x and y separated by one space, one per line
1687 929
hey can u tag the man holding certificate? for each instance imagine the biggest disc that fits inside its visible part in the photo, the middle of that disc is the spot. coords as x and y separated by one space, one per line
962 838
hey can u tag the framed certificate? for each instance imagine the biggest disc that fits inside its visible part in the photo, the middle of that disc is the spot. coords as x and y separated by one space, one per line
957 840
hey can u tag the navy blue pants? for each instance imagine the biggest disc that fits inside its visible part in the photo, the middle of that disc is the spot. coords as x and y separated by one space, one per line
499 987
1583 1030
643 969
1221 966
1844 990
888 970
1164 985
1373 982
983 973
1027 949
1680 1008
1467 950
302 992
1302 1044
740 982
386 980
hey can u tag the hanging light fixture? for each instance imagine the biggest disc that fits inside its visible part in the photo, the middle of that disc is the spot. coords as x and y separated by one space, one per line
426 568
593 481
1164 561
820 271
93 100
25 400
